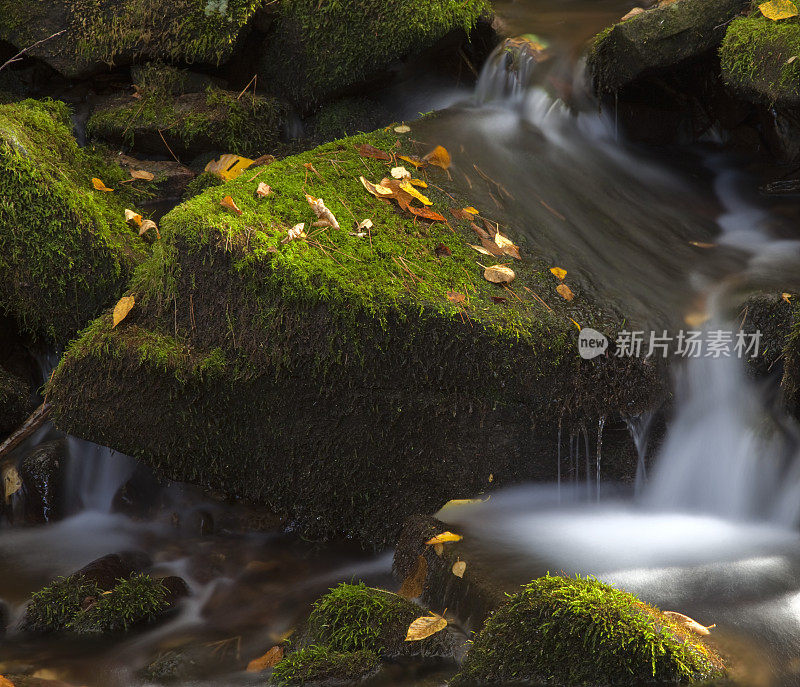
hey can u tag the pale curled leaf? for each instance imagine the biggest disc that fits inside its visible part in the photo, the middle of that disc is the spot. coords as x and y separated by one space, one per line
506 246
262 191
122 308
400 173
459 568
295 233
425 626
11 482
402 129
133 218
322 212
499 274
565 292
148 225
142 175
689 623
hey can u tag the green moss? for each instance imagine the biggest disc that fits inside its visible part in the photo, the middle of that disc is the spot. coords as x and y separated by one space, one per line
249 125
200 183
354 39
65 250
354 617
317 664
578 632
53 608
14 401
761 58
347 117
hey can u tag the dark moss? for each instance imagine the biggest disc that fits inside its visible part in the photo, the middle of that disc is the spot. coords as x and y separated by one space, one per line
65 249
760 59
354 39
15 401
133 602
200 183
54 608
319 664
192 123
347 117
579 631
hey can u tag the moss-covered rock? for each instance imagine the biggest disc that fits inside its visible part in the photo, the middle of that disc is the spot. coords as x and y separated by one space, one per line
354 40
15 401
190 124
286 371
760 59
322 665
347 117
658 39
65 250
117 32
200 183
578 632
53 608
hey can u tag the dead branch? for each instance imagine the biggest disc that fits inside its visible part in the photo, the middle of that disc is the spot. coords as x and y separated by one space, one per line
19 55
35 420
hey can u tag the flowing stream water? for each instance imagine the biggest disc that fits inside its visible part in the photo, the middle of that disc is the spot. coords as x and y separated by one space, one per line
711 528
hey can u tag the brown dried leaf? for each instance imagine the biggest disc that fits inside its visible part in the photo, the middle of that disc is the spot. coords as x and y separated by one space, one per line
455 297
268 660
492 248
414 584
506 246
439 157
499 274
228 204
441 250
499 299
366 150
565 292
426 213
149 225
425 626
480 232
263 190
122 308
142 175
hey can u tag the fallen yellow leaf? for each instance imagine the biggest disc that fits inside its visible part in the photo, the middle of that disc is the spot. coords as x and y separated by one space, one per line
268 660
507 246
229 166
411 160
689 623
499 274
439 157
418 182
11 482
122 308
471 210
560 273
408 188
787 297
778 9
565 292
133 218
425 626
100 186
459 568
228 204
443 538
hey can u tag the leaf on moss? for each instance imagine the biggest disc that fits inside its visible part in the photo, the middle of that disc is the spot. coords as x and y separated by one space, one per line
459 568
229 166
414 584
426 213
559 273
425 626
499 274
322 212
408 188
142 175
778 9
228 204
507 246
455 297
268 660
444 538
295 233
402 129
133 218
149 225
439 157
100 186
263 190
122 308
11 482
375 189
565 292
689 623
366 150
400 173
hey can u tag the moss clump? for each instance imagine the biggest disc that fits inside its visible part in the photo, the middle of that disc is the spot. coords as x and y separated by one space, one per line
53 608
760 58
65 249
354 39
192 123
347 117
133 602
317 664
15 401
200 183
579 632
354 617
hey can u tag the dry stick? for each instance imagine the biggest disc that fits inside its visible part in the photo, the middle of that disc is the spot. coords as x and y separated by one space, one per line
168 148
263 169
19 55
35 420
244 90
130 124
536 296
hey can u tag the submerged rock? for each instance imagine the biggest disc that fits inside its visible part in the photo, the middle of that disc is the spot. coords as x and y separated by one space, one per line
658 39
579 631
41 472
412 379
319 665
65 250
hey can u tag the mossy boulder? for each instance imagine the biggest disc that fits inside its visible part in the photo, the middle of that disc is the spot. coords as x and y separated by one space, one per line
355 617
15 401
65 250
286 372
322 665
658 39
190 124
346 117
96 34
53 608
760 60
354 40
573 631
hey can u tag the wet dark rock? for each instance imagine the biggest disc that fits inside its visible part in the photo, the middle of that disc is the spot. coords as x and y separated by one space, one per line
657 40
171 178
5 614
177 589
141 495
106 571
190 662
346 117
41 472
15 401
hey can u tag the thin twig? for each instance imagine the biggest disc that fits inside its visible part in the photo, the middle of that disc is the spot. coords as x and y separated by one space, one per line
35 420
19 55
168 148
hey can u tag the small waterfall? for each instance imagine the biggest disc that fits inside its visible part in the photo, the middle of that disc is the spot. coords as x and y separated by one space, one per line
639 429
93 476
601 423
509 71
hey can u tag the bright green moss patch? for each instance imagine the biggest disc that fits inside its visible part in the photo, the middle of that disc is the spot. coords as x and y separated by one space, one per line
53 608
354 39
319 664
761 58
133 602
577 631
192 123
65 250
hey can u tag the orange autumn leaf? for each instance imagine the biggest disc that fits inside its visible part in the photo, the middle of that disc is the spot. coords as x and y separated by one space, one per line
228 204
443 538
268 660
787 297
565 292
417 162
560 273
366 150
122 308
439 157
455 297
5 682
100 186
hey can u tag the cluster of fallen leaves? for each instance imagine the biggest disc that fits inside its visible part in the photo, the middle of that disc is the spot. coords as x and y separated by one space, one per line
147 227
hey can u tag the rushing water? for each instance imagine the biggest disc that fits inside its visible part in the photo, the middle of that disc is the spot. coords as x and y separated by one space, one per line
711 527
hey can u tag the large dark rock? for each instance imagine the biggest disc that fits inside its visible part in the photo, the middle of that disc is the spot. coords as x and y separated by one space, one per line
41 472
106 571
658 39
